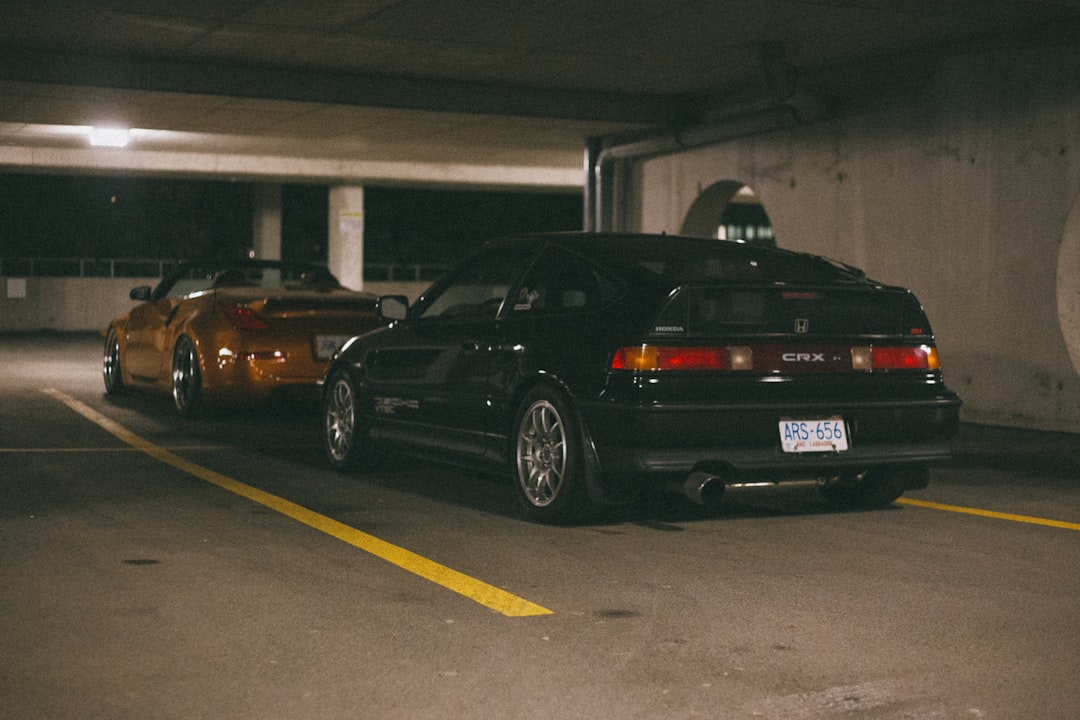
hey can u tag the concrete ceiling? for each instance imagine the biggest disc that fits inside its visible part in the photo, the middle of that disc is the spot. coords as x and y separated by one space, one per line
364 88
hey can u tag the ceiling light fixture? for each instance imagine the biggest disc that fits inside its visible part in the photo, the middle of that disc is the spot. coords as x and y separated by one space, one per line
109 137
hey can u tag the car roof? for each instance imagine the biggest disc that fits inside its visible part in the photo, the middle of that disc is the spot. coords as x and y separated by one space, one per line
677 259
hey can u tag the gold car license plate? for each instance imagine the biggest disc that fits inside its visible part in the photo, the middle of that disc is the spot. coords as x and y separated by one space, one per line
816 435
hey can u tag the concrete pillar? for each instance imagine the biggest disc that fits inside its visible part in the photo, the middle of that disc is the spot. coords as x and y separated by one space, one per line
266 239
345 246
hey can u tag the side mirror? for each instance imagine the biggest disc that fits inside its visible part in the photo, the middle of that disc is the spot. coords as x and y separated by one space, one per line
392 307
141 293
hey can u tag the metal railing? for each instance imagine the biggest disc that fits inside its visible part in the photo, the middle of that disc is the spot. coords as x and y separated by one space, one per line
83 267
146 267
401 272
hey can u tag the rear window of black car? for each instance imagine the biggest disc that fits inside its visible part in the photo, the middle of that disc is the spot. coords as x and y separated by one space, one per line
703 265
703 311
678 260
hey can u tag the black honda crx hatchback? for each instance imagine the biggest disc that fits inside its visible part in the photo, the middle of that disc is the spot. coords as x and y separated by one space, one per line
591 366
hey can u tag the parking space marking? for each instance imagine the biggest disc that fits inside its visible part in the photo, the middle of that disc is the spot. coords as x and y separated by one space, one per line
52 451
990 514
487 595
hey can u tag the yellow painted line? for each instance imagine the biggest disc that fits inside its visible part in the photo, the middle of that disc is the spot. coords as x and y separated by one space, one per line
105 449
487 595
991 514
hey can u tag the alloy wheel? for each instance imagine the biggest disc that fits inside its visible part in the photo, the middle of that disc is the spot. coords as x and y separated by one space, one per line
187 382
339 419
541 453
111 365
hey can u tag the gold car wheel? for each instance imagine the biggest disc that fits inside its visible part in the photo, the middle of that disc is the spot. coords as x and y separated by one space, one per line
187 380
114 381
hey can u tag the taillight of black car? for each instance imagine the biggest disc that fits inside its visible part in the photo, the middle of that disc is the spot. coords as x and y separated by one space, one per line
777 358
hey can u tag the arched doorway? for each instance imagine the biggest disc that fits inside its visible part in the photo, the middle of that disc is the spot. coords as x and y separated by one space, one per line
729 210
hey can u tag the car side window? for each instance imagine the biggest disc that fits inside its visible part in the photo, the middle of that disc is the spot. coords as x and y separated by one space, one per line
561 282
477 291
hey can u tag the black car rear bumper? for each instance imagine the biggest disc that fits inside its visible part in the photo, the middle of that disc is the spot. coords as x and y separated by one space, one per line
768 462
744 440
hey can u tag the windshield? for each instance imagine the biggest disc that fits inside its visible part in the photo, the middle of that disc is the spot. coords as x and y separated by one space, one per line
193 278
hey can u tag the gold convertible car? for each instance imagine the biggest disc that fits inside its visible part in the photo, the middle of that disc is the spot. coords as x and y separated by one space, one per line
233 332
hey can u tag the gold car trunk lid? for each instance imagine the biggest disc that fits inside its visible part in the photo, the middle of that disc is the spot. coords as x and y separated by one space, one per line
306 304
288 303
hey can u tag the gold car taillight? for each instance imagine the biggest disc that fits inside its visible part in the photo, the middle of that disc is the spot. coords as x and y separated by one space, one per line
242 317
242 355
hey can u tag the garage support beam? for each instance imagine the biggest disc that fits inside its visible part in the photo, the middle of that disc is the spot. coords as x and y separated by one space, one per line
345 248
266 240
300 84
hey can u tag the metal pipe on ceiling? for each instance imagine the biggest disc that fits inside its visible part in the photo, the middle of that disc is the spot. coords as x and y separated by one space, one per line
787 105
603 154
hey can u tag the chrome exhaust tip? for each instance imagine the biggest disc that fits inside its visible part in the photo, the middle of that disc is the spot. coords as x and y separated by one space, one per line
704 489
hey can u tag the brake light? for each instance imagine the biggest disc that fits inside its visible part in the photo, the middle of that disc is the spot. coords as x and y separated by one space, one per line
244 318
772 359
225 354
653 357
922 357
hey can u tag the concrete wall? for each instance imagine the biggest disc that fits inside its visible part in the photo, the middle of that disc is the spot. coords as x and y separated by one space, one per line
962 190
88 304
64 304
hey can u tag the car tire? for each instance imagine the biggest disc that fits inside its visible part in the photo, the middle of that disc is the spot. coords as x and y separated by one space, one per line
186 378
110 365
346 435
873 489
550 463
